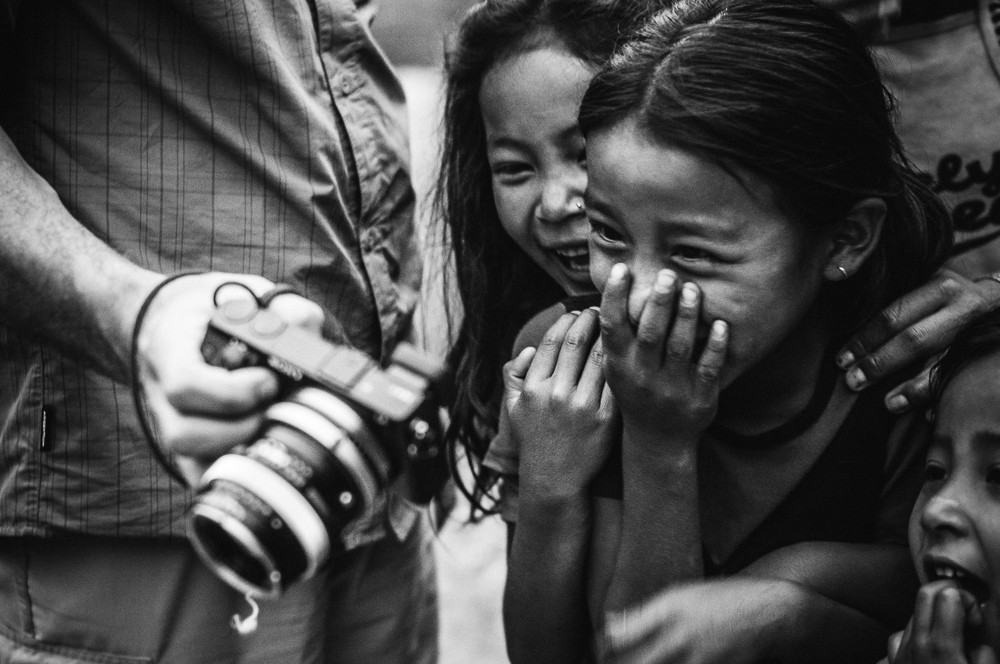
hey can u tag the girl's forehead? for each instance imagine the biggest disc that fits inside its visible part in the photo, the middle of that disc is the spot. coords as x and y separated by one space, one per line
534 58
625 159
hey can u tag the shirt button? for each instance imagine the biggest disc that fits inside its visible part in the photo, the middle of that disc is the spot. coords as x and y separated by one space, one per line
349 83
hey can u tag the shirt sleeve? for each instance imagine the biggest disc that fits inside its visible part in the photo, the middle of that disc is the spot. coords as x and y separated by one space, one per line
906 451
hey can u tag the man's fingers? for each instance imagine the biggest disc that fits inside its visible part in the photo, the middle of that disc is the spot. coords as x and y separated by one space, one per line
297 310
914 393
204 389
914 327
901 314
200 436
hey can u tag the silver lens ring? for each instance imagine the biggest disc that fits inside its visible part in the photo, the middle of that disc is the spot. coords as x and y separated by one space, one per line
341 414
333 438
251 545
287 502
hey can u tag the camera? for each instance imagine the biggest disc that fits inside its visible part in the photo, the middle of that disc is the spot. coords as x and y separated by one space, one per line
345 431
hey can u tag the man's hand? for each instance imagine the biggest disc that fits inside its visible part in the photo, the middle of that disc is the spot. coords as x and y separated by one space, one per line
867 16
915 327
197 410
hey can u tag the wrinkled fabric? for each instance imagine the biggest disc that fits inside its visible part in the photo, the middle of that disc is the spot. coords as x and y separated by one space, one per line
256 136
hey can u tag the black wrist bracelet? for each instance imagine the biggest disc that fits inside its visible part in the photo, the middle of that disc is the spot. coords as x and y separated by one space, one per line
147 431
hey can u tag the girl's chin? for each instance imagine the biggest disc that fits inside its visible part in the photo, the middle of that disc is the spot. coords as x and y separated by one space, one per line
575 284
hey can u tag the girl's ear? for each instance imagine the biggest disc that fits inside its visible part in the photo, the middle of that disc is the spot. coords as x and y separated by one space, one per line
854 238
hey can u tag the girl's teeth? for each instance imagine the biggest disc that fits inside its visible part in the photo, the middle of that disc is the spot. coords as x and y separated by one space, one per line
949 573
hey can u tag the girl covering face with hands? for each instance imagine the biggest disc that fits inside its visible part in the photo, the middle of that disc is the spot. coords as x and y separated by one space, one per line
750 207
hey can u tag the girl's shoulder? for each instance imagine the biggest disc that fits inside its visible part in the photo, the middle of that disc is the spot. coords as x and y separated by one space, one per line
533 331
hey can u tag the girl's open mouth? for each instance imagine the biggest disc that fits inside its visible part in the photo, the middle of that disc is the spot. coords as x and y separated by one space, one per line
574 259
941 569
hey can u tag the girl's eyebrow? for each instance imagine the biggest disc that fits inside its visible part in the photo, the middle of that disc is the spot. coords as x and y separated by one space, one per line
987 437
505 142
565 135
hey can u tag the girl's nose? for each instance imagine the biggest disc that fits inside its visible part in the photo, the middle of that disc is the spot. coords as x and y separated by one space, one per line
943 515
562 196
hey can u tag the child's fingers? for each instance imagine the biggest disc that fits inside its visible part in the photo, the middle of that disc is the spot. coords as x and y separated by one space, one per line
933 616
575 352
973 612
592 381
948 621
608 404
615 327
983 654
892 648
654 323
544 362
515 370
711 361
680 344
923 609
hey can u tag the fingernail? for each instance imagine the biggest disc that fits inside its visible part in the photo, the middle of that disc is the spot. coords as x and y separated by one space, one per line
845 359
856 378
618 272
689 295
897 403
665 281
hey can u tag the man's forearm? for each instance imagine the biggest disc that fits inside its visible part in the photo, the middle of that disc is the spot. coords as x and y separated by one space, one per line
60 282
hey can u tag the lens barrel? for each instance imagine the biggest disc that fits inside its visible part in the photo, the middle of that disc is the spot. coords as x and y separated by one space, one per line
269 515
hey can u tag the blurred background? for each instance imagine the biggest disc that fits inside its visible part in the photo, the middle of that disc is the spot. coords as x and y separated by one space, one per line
471 557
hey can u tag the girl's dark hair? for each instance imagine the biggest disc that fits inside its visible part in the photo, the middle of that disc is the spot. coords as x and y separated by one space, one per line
787 91
498 285
975 342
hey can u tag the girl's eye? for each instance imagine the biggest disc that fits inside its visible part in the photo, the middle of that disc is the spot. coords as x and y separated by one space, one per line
993 475
934 472
691 254
605 232
510 172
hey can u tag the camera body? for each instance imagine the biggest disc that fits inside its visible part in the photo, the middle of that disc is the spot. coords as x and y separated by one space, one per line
346 430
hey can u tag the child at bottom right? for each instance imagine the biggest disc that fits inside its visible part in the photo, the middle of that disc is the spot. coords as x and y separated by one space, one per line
955 527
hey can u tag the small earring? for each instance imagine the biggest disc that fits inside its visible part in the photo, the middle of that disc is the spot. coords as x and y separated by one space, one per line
579 205
843 271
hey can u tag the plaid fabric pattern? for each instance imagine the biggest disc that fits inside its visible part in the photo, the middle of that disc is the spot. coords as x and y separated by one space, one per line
257 136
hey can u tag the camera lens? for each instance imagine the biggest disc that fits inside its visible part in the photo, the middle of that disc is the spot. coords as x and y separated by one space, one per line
270 515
